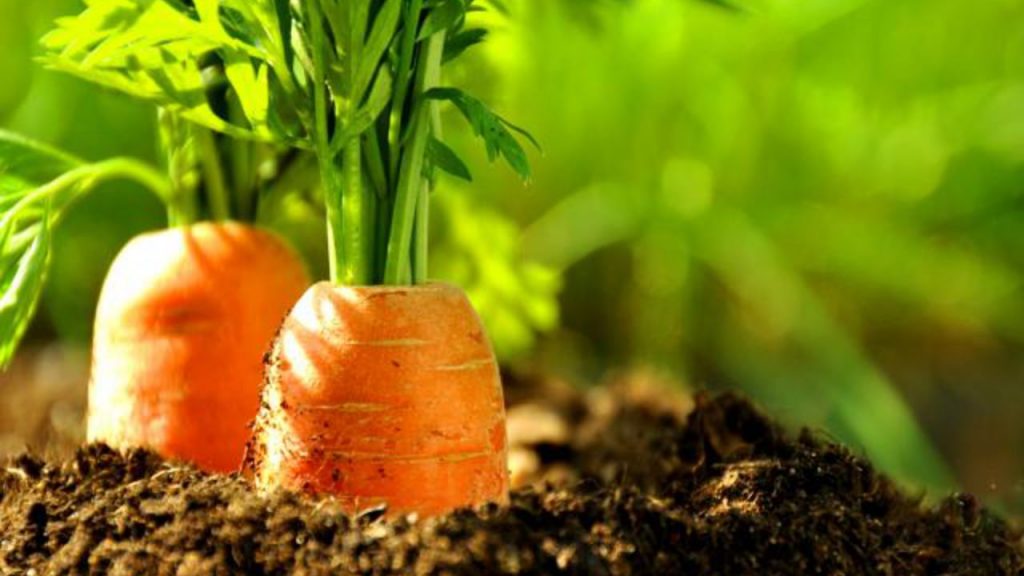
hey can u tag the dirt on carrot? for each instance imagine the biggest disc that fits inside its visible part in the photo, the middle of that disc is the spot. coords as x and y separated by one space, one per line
637 482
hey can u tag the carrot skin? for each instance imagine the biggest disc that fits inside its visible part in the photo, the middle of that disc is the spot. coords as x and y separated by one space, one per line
183 321
384 395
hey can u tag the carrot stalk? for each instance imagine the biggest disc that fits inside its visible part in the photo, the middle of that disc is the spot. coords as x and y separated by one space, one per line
410 175
420 243
213 175
381 388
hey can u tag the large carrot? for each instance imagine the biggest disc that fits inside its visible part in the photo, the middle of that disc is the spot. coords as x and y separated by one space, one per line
382 389
384 395
184 318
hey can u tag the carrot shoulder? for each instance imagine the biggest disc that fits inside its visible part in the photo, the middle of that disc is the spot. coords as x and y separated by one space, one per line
384 395
183 321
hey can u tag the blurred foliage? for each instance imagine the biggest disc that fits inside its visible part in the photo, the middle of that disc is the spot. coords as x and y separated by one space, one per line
818 202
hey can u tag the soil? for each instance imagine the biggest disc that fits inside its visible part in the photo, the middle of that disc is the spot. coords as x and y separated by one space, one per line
624 480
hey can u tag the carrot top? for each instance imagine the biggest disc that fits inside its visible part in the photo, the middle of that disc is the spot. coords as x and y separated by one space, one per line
251 93
354 82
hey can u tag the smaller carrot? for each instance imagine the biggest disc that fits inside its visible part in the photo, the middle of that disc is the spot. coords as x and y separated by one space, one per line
384 395
183 321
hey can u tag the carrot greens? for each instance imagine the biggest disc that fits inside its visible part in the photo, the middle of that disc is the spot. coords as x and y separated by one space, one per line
354 82
252 96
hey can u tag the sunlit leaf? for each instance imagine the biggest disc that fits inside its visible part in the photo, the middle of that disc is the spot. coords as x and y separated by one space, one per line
21 283
153 50
493 129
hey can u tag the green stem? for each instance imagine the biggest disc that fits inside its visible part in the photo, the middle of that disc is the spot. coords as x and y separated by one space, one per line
375 162
401 85
383 226
182 214
82 179
244 159
357 224
21 240
359 207
132 169
213 174
420 238
335 220
179 146
410 178
328 173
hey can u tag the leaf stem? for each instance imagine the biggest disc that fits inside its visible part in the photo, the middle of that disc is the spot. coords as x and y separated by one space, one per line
357 214
420 239
82 179
245 156
410 29
178 143
410 178
375 162
321 143
213 174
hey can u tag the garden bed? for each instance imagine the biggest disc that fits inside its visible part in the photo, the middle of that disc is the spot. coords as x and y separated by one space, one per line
627 480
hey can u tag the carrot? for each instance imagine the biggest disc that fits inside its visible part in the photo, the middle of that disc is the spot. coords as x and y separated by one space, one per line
384 395
185 314
184 318
381 388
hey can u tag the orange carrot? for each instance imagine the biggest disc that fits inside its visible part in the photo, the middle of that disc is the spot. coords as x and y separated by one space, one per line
183 321
384 394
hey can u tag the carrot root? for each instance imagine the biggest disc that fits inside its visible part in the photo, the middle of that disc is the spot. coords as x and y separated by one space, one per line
384 395
183 321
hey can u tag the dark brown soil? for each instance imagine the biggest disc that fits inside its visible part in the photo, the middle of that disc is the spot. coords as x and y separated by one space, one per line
639 487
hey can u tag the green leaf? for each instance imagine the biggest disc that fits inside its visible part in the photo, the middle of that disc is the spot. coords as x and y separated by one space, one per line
458 43
444 17
443 157
252 89
27 163
209 13
493 129
21 284
153 50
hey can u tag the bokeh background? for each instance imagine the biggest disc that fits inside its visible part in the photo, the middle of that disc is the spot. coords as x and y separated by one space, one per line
818 203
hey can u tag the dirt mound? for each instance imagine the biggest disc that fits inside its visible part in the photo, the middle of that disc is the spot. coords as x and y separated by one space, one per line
638 489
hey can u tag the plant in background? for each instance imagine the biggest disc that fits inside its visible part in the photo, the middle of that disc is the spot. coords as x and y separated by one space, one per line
379 383
776 207
481 251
